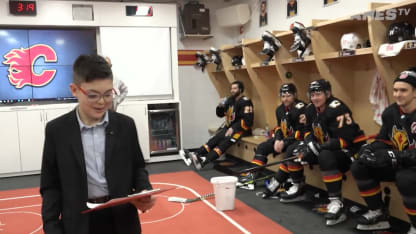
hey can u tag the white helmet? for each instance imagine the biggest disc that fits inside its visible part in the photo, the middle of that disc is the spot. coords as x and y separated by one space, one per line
351 41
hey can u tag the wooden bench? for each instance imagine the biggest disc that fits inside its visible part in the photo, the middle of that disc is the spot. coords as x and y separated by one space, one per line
246 147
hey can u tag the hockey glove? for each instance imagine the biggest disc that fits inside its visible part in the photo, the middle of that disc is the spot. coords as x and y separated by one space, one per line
379 159
307 152
407 158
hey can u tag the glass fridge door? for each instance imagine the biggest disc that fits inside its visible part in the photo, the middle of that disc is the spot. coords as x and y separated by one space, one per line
164 131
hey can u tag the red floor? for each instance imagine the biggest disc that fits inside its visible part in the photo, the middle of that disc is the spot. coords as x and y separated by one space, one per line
165 217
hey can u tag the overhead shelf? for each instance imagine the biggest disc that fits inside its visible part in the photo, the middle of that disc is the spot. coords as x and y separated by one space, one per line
232 48
310 58
284 34
338 54
244 67
248 42
196 36
260 65
344 22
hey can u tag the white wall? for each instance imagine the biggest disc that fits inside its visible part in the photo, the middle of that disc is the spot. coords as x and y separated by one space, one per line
59 13
197 94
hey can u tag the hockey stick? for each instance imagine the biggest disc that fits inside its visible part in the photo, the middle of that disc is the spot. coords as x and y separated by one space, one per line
239 184
228 171
189 200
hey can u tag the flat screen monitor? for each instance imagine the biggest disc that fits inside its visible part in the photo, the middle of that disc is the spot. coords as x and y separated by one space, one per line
36 64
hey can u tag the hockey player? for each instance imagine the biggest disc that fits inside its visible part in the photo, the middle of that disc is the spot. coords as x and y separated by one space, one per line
332 139
391 157
238 110
288 130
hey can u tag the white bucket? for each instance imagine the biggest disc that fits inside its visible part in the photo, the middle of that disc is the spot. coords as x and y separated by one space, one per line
224 190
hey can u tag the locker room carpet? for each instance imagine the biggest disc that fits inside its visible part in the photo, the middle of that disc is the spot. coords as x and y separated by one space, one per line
165 217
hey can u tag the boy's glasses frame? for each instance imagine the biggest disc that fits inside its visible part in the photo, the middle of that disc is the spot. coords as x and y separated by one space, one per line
96 97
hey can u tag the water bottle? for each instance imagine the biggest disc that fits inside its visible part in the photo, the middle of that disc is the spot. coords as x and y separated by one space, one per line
267 130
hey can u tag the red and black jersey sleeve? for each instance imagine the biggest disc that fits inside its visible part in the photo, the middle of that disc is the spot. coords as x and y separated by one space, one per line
245 115
382 139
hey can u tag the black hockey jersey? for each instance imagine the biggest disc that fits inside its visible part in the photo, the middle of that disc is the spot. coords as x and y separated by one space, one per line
289 125
398 130
239 114
334 128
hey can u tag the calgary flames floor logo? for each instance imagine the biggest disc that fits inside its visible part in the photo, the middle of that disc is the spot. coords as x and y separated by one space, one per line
20 74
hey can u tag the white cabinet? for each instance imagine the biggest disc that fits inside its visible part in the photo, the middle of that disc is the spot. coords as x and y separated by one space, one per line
9 138
139 113
32 134
51 114
31 138
22 134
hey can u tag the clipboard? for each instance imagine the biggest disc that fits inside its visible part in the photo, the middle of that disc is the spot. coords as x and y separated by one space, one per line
124 200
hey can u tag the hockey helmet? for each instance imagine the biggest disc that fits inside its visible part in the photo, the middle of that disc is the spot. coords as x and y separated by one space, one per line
271 43
302 40
297 27
288 88
351 41
400 31
319 85
202 60
237 61
215 55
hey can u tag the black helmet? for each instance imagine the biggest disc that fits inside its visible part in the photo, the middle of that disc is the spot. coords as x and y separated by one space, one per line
237 61
202 60
215 55
319 85
400 31
288 88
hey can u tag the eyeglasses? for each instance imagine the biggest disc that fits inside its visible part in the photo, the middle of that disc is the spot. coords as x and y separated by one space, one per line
95 97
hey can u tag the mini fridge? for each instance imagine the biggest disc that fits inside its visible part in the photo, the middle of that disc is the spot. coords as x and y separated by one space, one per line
164 128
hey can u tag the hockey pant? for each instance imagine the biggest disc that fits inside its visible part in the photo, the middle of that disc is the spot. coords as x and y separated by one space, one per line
333 165
290 169
368 181
218 144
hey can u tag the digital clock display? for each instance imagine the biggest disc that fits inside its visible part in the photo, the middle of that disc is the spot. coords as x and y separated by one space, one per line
22 7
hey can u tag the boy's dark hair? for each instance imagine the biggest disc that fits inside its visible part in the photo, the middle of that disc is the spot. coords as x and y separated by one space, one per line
92 67
240 85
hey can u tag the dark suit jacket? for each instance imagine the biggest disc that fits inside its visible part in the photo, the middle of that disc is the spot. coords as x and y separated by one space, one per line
64 180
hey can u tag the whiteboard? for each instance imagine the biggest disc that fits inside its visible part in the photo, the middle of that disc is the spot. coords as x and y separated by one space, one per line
141 58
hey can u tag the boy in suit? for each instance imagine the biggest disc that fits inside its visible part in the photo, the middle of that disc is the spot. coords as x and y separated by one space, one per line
92 154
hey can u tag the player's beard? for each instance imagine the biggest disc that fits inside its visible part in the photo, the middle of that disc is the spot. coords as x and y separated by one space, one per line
236 94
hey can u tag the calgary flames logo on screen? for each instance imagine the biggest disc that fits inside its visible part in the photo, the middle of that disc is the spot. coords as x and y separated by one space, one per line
20 74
